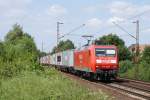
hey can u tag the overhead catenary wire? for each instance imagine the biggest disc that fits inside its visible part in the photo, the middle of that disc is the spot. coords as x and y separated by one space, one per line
115 23
127 19
132 17
140 14
123 29
73 30
69 33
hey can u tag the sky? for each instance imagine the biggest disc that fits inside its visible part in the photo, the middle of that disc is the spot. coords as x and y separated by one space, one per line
39 18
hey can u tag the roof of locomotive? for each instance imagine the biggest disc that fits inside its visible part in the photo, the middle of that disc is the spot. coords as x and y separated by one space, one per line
103 46
96 46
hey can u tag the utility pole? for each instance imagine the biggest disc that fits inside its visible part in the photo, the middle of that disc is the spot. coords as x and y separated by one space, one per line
58 23
42 46
135 37
137 48
137 40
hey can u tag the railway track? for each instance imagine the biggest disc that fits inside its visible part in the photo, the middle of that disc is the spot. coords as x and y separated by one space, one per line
133 89
135 81
143 86
138 88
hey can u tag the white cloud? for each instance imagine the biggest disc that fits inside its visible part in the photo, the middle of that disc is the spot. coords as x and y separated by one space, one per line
114 19
122 11
13 8
56 10
14 3
120 8
126 9
94 23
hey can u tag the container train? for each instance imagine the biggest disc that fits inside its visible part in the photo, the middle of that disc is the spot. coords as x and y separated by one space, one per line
94 61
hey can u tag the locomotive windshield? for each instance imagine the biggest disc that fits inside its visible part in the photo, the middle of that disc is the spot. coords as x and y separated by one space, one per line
105 52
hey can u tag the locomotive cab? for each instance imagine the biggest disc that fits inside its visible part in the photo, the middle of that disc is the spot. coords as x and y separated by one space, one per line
106 58
106 61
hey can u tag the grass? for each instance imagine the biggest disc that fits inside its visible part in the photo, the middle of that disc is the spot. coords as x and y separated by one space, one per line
47 85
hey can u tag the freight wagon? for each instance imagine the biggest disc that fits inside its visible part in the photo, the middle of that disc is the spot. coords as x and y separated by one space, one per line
45 60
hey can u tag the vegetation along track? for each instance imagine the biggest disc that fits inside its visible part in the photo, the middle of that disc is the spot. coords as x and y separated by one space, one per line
134 89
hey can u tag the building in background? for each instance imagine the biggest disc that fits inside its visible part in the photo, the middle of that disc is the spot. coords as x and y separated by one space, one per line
132 48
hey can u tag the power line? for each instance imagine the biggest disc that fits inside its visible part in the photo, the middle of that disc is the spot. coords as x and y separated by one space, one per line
136 38
73 30
140 14
132 17
129 18
77 35
123 29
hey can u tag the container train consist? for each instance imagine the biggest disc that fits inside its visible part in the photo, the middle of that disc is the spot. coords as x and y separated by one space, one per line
95 61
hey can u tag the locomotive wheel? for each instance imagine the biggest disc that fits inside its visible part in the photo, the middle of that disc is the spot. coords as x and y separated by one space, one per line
92 76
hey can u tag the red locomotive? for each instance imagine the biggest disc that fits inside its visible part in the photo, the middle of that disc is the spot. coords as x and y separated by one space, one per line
100 61
95 61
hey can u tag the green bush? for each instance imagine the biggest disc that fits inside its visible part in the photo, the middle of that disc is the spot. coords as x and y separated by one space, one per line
144 71
139 71
124 66
146 55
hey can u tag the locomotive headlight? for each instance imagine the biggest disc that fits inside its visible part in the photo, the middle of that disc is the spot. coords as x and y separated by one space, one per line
98 61
97 66
113 61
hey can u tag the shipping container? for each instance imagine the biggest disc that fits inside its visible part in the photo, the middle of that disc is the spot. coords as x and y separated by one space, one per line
48 59
58 58
68 58
53 59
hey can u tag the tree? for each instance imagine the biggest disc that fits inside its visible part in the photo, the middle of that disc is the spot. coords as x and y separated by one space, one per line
41 53
14 34
124 53
20 52
113 39
63 45
21 43
2 51
146 55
